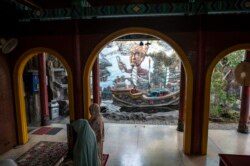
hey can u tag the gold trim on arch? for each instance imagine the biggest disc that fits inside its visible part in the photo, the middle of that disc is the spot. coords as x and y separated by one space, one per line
183 57
207 91
19 89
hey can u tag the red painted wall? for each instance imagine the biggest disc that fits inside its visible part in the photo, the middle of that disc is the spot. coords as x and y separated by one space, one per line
7 117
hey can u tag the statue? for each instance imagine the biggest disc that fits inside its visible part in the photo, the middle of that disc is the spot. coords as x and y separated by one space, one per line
97 124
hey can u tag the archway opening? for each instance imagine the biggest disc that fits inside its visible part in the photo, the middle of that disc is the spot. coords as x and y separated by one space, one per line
231 106
34 108
183 57
56 90
226 105
225 93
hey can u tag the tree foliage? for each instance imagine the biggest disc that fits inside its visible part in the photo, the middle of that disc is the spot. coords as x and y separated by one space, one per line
161 62
224 90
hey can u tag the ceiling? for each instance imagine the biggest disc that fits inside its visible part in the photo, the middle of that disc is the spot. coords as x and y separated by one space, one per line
26 10
68 3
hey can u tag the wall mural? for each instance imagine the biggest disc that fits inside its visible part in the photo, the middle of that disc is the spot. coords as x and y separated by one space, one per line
140 73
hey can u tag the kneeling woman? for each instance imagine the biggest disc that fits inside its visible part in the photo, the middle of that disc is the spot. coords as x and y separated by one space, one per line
85 152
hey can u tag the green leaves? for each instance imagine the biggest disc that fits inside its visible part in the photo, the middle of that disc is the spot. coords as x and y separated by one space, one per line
222 96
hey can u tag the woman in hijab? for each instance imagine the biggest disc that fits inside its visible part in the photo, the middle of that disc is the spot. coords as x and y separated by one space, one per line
85 152
96 122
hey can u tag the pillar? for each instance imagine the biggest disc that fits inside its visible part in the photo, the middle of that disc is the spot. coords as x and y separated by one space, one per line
43 89
198 91
180 126
96 82
245 103
77 76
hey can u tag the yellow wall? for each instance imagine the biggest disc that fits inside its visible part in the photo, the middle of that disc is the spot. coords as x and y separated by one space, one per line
19 89
175 46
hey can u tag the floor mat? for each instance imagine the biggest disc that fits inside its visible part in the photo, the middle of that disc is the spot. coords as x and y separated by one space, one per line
42 130
54 131
48 130
44 153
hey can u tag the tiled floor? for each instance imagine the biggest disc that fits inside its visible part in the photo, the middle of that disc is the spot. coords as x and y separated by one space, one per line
152 145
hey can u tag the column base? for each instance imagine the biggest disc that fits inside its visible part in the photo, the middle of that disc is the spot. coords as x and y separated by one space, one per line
45 121
180 125
242 128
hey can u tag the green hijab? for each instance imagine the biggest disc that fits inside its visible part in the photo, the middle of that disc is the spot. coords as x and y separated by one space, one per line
85 152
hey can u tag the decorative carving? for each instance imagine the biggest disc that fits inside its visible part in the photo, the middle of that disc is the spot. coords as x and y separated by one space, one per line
81 11
242 73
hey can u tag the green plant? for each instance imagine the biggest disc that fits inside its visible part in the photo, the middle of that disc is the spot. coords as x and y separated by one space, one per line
222 97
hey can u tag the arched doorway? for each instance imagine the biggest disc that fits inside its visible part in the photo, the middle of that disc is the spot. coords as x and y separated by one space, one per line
209 73
19 89
175 46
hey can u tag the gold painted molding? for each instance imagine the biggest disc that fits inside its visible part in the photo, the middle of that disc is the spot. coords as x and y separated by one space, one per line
209 72
19 89
175 46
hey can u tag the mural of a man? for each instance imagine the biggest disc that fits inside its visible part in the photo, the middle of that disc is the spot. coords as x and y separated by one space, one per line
139 75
